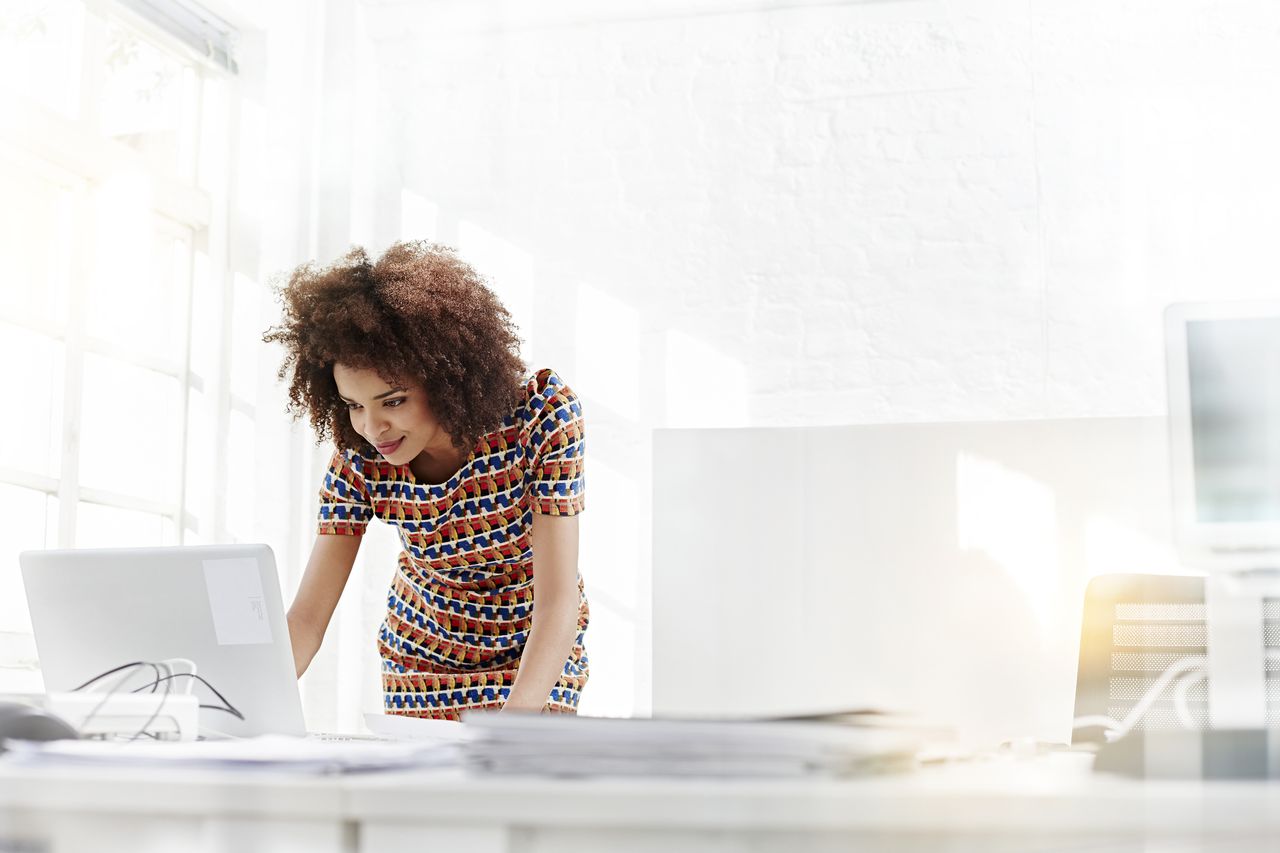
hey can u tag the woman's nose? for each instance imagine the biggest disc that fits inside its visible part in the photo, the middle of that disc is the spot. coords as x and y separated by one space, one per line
374 424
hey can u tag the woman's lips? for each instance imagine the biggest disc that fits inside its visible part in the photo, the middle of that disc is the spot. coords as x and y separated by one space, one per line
388 449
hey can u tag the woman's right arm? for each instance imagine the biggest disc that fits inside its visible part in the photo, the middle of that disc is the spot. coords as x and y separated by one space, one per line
326 574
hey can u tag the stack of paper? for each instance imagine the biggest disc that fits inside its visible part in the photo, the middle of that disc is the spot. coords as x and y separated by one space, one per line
269 752
586 746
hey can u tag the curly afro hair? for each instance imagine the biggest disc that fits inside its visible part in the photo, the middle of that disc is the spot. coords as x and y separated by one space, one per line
416 314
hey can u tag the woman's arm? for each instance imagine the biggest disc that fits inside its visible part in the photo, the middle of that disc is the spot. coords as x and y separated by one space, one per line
555 611
327 571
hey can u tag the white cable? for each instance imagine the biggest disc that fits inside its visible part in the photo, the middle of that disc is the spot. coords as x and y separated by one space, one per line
191 665
1136 713
1148 699
1180 691
1190 669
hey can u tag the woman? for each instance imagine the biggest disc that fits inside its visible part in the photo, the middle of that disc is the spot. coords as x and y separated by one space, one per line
409 364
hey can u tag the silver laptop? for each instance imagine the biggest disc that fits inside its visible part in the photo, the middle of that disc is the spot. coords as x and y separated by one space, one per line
218 606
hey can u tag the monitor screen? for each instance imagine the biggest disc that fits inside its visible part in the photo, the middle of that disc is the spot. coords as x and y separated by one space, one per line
1234 385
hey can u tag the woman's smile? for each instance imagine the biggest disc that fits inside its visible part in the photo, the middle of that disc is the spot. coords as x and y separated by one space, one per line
390 447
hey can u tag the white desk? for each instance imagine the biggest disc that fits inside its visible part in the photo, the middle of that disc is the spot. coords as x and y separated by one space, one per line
999 806
70 810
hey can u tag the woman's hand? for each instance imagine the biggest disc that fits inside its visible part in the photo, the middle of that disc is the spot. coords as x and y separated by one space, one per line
555 612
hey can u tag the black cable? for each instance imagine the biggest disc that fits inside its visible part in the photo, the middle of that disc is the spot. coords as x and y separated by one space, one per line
103 675
107 697
230 709
159 705
226 707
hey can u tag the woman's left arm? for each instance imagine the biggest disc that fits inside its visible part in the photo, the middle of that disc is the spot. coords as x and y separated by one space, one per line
555 611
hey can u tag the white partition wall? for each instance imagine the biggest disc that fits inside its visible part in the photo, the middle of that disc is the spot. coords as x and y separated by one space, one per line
938 568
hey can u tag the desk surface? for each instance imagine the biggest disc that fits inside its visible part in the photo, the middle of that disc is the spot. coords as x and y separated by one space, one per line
1001 792
165 791
1059 793
1056 796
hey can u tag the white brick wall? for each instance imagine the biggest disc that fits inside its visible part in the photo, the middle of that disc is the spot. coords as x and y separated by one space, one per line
837 213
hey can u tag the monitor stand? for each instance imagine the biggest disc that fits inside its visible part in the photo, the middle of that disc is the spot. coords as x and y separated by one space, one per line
1237 671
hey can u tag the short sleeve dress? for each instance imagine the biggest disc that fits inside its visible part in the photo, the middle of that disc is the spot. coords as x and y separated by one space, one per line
460 604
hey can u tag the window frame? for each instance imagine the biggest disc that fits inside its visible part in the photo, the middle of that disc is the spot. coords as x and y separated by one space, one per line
74 159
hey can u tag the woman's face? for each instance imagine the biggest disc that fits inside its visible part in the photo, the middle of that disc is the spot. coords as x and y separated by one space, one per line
394 418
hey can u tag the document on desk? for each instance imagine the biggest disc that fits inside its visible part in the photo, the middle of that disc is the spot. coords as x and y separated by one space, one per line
269 752
417 729
584 746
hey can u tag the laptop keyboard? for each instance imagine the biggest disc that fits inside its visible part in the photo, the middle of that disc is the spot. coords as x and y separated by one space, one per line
338 737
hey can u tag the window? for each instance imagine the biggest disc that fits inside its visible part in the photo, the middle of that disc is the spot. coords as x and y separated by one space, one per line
113 306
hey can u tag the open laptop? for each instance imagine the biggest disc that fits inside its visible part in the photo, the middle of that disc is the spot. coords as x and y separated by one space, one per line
218 606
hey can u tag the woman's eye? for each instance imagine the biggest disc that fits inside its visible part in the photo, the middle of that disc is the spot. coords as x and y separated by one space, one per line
351 407
394 403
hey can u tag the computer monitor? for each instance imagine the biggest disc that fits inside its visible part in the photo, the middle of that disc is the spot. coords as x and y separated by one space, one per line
1224 430
218 606
1224 418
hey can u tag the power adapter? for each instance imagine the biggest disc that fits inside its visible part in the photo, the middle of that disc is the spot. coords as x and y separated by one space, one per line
176 715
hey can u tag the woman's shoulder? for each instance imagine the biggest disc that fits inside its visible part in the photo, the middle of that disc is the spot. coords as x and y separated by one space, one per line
544 387
546 393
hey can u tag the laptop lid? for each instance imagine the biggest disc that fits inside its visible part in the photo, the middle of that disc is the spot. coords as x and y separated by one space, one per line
218 606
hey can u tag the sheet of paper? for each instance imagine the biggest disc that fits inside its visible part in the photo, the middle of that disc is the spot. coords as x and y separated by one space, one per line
236 601
415 728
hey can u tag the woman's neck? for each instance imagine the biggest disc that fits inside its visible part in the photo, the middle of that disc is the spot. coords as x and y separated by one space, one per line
436 465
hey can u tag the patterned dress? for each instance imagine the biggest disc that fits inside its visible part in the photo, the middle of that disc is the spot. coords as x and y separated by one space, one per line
461 602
